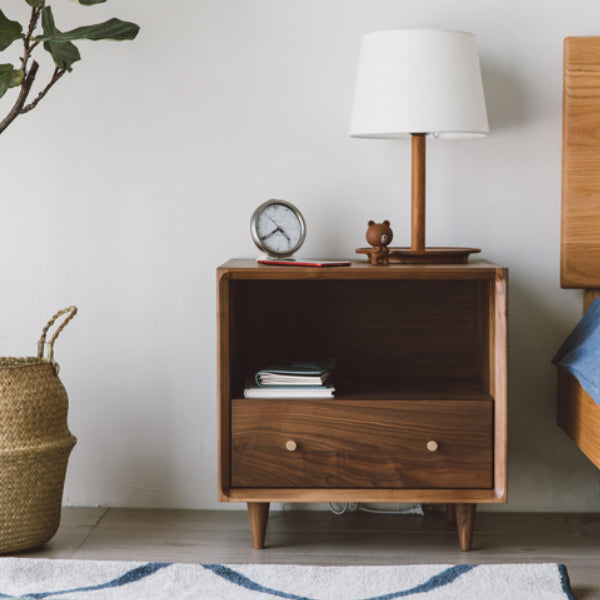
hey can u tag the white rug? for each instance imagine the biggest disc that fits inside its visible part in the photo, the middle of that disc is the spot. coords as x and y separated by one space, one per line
99 580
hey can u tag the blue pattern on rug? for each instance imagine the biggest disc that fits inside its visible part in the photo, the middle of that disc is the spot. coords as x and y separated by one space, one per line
213 581
130 577
440 580
566 583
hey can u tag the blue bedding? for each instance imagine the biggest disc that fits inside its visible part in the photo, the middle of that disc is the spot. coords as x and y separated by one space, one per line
580 352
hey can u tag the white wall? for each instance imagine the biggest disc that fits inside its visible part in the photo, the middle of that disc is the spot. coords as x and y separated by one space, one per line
126 188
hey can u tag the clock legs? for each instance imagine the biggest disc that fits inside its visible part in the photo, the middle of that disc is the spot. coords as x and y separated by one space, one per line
258 513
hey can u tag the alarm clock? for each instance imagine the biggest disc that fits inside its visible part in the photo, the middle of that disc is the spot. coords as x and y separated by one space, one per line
278 228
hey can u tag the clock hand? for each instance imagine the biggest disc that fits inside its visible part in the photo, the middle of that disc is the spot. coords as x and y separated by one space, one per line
272 221
264 237
287 237
278 229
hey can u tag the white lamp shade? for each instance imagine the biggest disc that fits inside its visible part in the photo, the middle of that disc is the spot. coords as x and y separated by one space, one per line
419 81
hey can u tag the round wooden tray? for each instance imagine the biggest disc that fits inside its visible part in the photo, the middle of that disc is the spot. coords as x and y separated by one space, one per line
431 255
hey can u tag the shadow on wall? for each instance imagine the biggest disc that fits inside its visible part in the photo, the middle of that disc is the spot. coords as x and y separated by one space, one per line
546 469
506 98
536 331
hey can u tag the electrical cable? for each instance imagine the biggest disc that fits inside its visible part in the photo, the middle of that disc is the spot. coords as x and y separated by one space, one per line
341 508
413 510
338 511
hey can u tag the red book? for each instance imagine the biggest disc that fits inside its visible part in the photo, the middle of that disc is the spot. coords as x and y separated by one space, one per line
304 263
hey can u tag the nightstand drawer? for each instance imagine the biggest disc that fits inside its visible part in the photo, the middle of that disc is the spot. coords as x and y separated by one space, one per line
362 444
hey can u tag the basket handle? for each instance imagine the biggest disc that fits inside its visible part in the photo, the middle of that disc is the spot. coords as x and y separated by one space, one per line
71 311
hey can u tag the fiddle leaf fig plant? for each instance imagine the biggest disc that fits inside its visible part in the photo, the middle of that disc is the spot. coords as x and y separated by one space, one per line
42 30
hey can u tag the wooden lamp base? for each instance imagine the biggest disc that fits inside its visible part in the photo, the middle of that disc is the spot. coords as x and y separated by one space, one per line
418 253
431 255
427 256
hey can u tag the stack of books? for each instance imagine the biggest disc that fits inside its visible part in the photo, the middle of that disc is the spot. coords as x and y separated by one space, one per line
296 379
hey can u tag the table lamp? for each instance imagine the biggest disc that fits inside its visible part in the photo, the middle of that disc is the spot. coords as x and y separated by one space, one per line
417 83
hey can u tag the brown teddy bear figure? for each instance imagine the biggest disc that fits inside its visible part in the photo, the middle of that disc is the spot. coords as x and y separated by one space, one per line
379 235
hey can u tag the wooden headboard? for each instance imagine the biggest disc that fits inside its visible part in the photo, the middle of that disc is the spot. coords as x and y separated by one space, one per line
580 239
578 413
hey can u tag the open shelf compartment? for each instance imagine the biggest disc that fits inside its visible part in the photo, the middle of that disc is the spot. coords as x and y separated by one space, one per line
389 336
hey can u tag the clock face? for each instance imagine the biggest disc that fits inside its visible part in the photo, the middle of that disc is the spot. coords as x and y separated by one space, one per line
278 228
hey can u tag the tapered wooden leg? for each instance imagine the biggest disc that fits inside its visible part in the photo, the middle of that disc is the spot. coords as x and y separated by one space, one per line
451 515
465 522
258 513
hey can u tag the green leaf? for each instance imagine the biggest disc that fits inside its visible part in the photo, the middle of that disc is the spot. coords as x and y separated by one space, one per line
63 53
9 31
9 78
34 3
113 29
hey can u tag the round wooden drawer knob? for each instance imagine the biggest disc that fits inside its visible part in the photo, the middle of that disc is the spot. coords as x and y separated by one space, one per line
291 445
432 446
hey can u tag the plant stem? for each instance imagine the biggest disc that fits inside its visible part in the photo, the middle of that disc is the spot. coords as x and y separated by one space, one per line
33 21
19 107
15 111
58 73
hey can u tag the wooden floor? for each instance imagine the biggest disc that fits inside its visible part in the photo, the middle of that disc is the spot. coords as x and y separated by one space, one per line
324 538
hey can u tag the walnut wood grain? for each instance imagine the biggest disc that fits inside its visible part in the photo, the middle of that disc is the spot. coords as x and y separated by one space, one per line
246 268
405 336
431 255
258 513
409 495
417 240
224 322
577 413
371 444
377 330
465 524
580 238
497 356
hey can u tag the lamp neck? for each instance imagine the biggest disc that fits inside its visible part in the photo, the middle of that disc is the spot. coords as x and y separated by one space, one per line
418 193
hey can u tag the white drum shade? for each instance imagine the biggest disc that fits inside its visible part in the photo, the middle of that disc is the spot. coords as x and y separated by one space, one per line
419 81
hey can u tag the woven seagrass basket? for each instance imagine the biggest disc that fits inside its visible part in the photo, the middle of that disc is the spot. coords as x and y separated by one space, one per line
35 443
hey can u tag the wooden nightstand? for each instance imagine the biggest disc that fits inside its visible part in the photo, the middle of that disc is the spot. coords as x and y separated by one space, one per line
420 408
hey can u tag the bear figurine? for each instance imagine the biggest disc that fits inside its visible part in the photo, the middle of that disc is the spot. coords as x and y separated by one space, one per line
379 235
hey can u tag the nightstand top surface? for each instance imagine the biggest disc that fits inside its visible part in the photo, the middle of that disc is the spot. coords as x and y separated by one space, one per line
248 268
